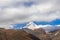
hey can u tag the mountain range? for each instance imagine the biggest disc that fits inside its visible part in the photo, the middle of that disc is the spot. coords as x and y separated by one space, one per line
48 28
31 32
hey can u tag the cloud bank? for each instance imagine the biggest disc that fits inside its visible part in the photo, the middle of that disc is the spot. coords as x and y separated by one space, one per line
17 11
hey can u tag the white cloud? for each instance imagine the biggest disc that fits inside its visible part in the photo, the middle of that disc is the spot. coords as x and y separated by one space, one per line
15 11
6 26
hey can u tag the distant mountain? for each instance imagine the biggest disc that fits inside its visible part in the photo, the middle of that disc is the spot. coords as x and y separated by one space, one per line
33 26
48 28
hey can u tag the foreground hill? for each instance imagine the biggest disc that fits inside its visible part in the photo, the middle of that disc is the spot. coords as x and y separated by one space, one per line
16 35
27 34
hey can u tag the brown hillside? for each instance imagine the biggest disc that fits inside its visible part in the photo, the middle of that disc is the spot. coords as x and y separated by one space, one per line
38 34
16 35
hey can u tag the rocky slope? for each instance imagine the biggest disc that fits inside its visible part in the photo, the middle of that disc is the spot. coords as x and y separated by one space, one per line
16 35
27 34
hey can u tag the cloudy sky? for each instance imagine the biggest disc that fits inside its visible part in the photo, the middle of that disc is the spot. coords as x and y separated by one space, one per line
13 12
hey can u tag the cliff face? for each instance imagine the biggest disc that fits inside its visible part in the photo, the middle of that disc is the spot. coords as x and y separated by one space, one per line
38 34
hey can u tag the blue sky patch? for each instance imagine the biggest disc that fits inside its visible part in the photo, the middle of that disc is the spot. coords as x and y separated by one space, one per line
55 22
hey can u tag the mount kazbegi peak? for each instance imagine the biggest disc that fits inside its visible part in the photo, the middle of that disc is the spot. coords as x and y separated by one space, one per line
32 26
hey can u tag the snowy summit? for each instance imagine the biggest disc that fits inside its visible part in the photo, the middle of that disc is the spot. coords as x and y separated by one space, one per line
33 26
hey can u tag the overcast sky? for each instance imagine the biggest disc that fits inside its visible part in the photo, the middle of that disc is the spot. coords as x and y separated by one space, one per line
18 11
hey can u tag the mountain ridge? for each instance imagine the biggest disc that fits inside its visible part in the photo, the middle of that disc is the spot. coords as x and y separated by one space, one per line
28 34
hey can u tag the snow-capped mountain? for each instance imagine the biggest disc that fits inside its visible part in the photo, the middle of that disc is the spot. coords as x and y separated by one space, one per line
33 26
